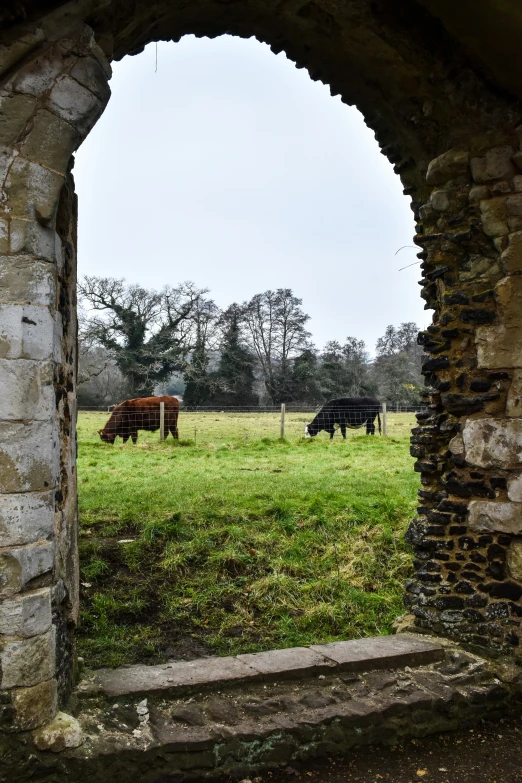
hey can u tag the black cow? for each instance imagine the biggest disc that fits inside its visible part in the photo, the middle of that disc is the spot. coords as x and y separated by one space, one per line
346 412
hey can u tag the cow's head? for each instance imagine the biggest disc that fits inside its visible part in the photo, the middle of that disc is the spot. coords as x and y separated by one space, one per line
311 430
107 437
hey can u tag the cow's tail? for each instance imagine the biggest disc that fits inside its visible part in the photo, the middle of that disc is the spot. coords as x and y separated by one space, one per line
379 420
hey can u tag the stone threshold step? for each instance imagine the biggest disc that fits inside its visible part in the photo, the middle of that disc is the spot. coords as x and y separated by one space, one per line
357 655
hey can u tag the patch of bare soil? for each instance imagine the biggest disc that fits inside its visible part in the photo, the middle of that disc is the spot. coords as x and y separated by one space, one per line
488 753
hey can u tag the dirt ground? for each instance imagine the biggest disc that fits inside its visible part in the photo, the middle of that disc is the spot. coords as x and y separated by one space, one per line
489 753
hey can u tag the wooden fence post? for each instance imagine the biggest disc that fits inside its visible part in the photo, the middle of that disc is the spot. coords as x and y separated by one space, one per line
162 421
384 427
283 411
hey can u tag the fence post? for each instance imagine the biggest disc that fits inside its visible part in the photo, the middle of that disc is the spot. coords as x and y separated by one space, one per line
283 411
384 429
162 421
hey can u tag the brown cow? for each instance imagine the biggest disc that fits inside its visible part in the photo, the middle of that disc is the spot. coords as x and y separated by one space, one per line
141 414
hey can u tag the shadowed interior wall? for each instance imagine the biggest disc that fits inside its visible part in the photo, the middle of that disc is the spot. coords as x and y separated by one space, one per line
454 139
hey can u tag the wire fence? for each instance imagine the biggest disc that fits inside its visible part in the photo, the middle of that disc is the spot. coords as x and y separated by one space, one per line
203 425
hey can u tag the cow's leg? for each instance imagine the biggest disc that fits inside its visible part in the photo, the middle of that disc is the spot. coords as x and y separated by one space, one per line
332 432
134 437
125 438
370 427
343 430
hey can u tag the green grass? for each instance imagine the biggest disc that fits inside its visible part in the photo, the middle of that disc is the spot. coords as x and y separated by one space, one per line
239 542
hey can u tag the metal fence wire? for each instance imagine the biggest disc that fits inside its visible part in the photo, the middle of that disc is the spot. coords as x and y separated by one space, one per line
206 425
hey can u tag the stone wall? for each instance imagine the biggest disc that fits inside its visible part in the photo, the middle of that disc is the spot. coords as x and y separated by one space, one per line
47 105
426 102
468 535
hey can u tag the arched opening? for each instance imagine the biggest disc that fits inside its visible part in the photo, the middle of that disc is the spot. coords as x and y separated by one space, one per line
455 142
247 177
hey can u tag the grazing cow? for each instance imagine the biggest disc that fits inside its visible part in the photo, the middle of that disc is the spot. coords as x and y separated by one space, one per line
346 412
141 414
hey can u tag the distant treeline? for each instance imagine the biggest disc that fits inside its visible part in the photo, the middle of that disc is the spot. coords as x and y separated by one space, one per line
136 342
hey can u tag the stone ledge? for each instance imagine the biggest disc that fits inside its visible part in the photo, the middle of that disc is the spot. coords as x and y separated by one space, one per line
253 724
355 655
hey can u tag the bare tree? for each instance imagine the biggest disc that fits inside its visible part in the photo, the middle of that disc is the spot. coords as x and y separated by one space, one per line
148 333
275 327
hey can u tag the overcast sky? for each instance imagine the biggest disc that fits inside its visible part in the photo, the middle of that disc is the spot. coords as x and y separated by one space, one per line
231 168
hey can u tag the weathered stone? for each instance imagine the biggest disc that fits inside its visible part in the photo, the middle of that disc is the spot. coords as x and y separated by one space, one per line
26 518
22 279
500 345
495 164
50 142
517 160
514 211
449 165
494 217
90 73
288 662
517 183
190 714
15 111
64 731
478 193
33 191
75 104
478 268
491 517
514 396
440 200
514 559
26 615
493 442
27 390
28 662
29 456
36 706
380 652
512 257
31 238
223 711
20 565
26 332
515 488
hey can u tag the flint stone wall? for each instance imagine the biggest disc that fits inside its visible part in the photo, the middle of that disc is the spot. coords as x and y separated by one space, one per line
456 144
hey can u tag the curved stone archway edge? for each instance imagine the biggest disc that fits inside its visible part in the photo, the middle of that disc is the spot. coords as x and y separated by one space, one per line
455 139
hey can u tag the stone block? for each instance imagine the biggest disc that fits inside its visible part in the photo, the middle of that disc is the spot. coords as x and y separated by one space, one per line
26 518
500 344
62 732
495 164
50 142
514 211
89 72
511 258
36 706
480 268
514 488
517 183
493 443
449 165
37 77
15 111
75 104
26 332
494 217
4 236
514 396
490 517
28 614
514 559
20 565
24 280
440 200
33 191
28 662
31 238
294 661
27 390
381 652
29 456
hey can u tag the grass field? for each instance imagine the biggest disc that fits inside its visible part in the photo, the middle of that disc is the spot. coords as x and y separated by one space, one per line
239 541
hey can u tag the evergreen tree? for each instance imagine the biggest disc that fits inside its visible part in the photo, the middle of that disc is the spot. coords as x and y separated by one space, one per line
236 364
305 385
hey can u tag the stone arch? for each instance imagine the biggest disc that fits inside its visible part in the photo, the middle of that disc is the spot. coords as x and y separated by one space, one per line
454 140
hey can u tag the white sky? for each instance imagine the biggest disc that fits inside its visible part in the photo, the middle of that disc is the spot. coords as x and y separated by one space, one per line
231 168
